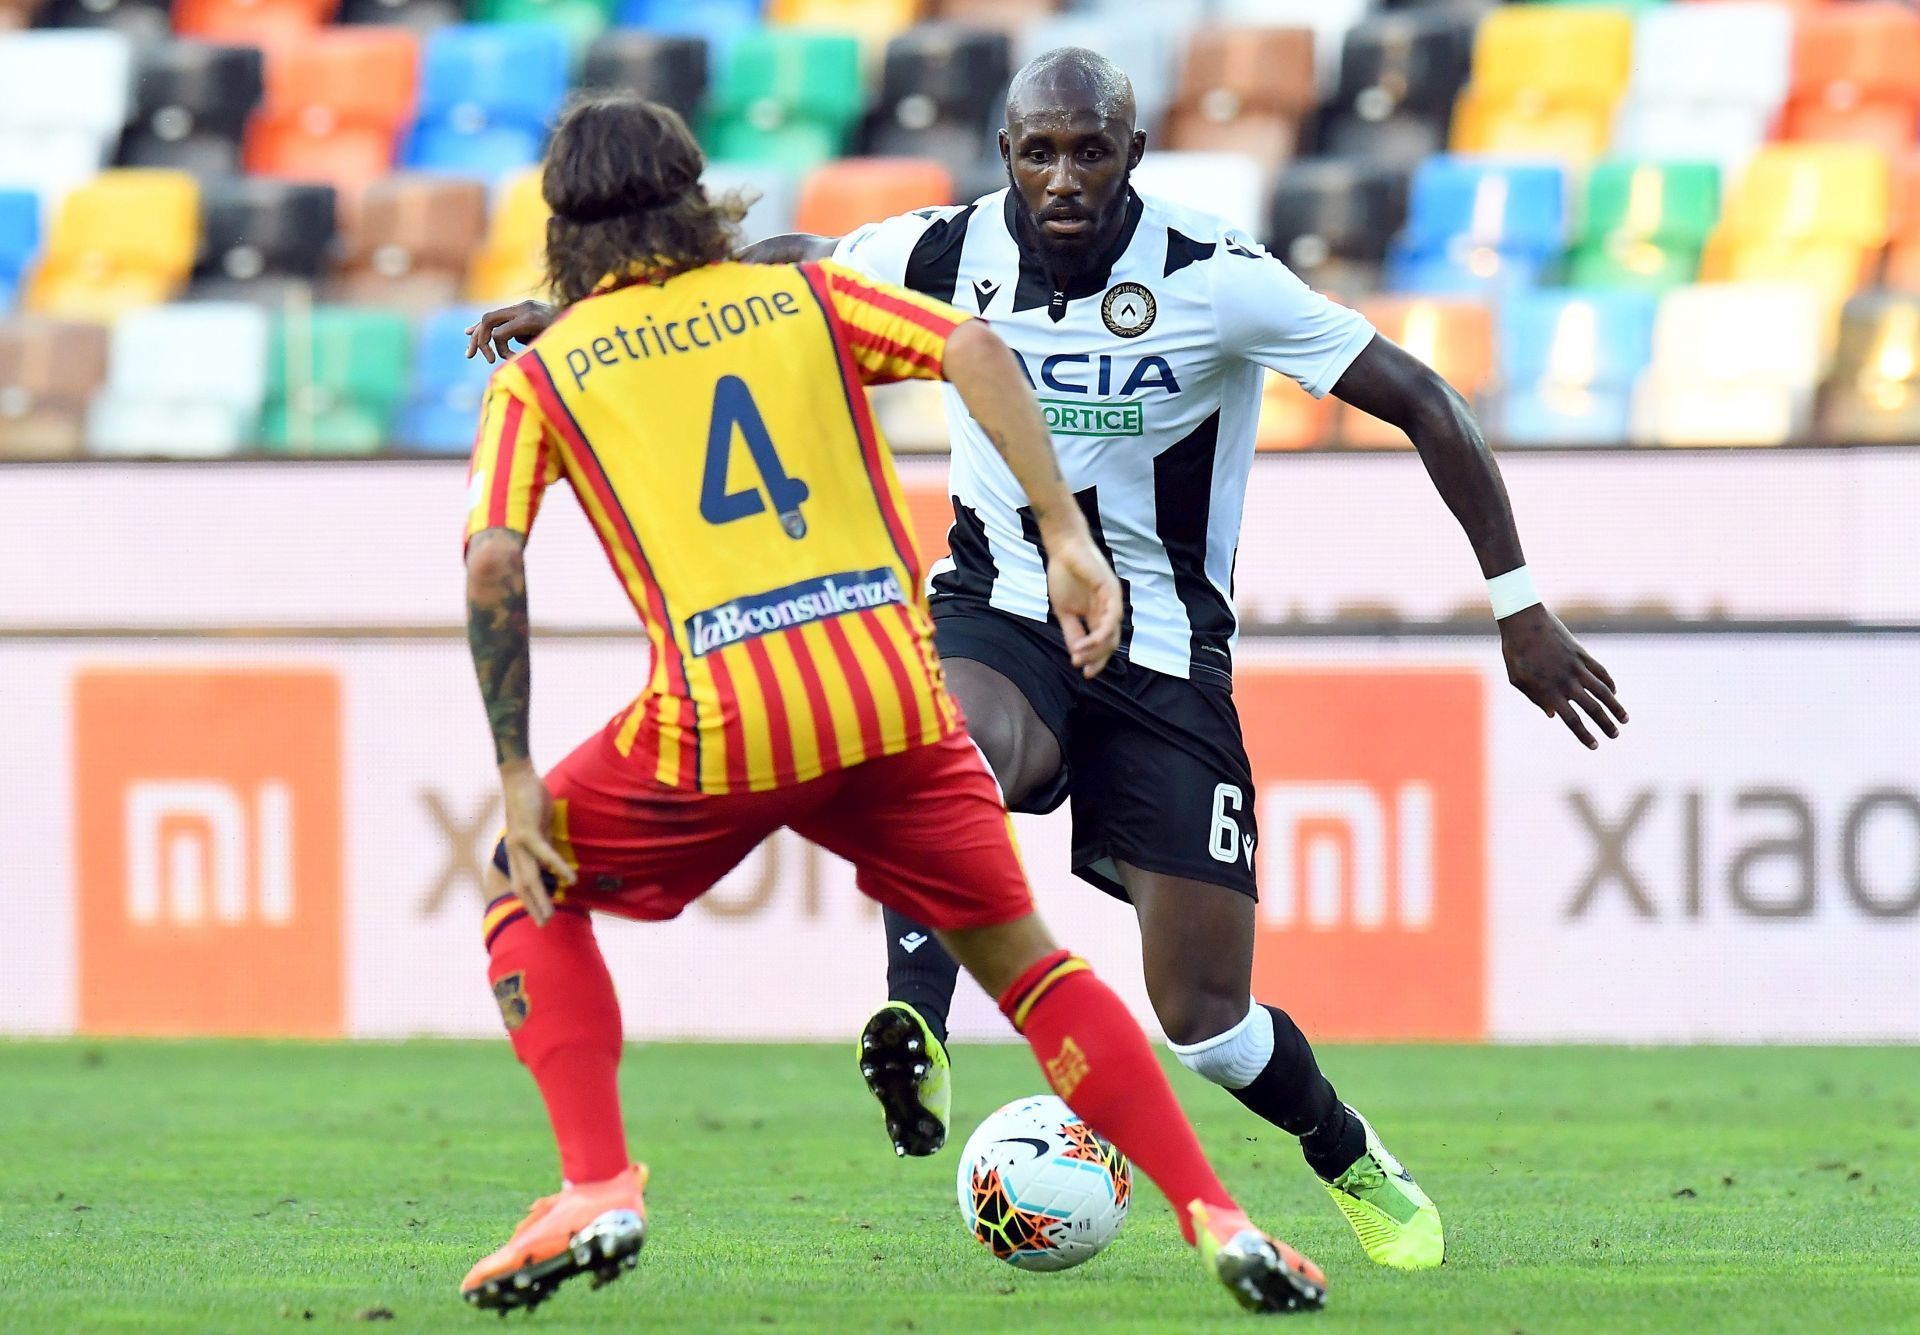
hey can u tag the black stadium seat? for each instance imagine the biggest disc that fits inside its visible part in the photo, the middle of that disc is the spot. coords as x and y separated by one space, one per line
1399 76
1332 218
418 14
191 103
259 236
940 92
665 69
142 20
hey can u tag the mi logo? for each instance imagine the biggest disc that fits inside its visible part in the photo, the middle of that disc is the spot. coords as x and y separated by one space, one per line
1337 855
193 846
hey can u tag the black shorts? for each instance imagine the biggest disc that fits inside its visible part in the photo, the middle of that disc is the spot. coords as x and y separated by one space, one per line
1155 766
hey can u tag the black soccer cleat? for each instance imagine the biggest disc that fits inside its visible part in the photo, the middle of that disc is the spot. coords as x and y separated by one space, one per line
906 1068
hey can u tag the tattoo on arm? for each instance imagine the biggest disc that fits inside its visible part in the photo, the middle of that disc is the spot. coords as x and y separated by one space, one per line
498 636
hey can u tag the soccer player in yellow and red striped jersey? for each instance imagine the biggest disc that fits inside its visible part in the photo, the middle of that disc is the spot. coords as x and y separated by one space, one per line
712 420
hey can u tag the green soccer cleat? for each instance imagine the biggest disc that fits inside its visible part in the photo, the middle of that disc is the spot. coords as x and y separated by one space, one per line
906 1068
1395 1221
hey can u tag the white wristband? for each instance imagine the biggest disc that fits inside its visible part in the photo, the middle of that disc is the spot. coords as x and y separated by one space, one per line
1512 592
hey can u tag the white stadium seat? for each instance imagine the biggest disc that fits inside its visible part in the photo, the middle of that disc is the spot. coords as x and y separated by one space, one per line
1233 185
1682 107
65 96
1149 46
772 194
1733 364
186 379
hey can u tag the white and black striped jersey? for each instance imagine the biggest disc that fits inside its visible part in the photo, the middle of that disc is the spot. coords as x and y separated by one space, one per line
1148 372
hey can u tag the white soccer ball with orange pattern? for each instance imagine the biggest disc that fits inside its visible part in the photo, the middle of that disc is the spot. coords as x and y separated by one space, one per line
1039 1189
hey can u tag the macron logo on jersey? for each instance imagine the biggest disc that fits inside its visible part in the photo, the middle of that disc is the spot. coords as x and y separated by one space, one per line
795 605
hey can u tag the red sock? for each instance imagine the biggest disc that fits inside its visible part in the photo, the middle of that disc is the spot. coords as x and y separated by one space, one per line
1096 1058
564 1020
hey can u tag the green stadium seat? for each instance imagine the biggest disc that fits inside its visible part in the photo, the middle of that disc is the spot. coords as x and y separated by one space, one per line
788 97
581 20
1644 224
336 378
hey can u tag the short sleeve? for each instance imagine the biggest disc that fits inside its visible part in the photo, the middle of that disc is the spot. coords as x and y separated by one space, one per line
1267 315
881 250
513 459
893 334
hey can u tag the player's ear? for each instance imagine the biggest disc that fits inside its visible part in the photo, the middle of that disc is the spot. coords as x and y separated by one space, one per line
1006 148
1137 149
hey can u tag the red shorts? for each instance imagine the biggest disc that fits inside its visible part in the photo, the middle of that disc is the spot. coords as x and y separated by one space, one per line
926 831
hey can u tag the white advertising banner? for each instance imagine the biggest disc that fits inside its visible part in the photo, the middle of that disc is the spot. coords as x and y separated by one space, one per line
285 836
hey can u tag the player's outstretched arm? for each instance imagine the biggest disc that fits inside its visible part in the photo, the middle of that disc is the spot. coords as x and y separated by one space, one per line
1544 661
497 634
1085 593
788 248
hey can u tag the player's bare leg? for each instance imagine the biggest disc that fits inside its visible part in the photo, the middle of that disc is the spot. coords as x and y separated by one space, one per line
1197 951
1096 1058
902 1049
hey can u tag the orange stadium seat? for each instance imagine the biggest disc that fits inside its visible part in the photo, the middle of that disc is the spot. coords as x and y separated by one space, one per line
17 14
252 22
511 264
410 242
1291 418
1856 75
1244 90
336 105
1546 80
50 370
847 193
95 266
1903 256
1453 335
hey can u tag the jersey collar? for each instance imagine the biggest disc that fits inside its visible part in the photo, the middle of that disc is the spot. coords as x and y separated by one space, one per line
1035 288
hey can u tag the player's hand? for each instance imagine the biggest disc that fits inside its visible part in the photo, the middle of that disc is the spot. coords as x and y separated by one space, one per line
1086 598
1549 667
492 334
529 809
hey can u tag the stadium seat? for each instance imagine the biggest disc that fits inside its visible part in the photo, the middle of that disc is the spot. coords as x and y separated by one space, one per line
1873 393
95 266
1333 218
1568 361
1813 213
665 69
18 14
487 93
409 243
1903 256
1644 224
580 20
1330 21
443 405
336 378
192 102
770 193
140 20
19 239
421 15
1399 77
940 95
912 415
1732 364
1150 46
786 96
1856 75
719 23
183 380
49 370
264 22
336 105
1546 80
1232 185
1681 107
1244 90
67 95
850 192
262 238
1476 224
1291 418
875 21
511 262
1452 335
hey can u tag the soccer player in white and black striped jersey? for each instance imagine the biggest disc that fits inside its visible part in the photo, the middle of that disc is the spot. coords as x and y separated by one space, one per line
1144 326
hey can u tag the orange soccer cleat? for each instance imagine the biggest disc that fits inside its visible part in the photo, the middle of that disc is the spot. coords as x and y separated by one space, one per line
592 1228
1262 1273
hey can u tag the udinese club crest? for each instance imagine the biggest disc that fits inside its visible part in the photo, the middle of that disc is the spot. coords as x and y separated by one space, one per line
1128 310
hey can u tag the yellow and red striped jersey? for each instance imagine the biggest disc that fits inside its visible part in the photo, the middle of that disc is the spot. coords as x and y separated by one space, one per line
716 430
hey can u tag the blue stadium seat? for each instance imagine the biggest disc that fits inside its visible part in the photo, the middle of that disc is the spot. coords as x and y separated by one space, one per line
444 405
1569 360
19 238
718 21
487 93
1479 225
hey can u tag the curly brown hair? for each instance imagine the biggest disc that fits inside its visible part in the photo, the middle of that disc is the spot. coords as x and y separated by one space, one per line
623 181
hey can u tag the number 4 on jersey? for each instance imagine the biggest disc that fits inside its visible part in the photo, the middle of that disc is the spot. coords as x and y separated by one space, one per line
733 406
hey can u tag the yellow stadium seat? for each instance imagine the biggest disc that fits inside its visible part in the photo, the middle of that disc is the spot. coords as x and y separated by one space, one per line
1531 125
870 18
1834 192
97 266
1576 52
512 263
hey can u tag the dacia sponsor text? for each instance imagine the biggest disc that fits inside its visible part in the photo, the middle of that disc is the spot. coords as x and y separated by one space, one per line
795 605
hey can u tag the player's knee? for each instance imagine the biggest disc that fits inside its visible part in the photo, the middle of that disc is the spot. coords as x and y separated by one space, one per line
1226 1041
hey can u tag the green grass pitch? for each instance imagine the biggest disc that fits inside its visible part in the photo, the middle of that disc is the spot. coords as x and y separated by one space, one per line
280 1187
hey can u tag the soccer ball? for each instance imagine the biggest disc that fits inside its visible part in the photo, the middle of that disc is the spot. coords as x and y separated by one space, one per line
1039 1189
